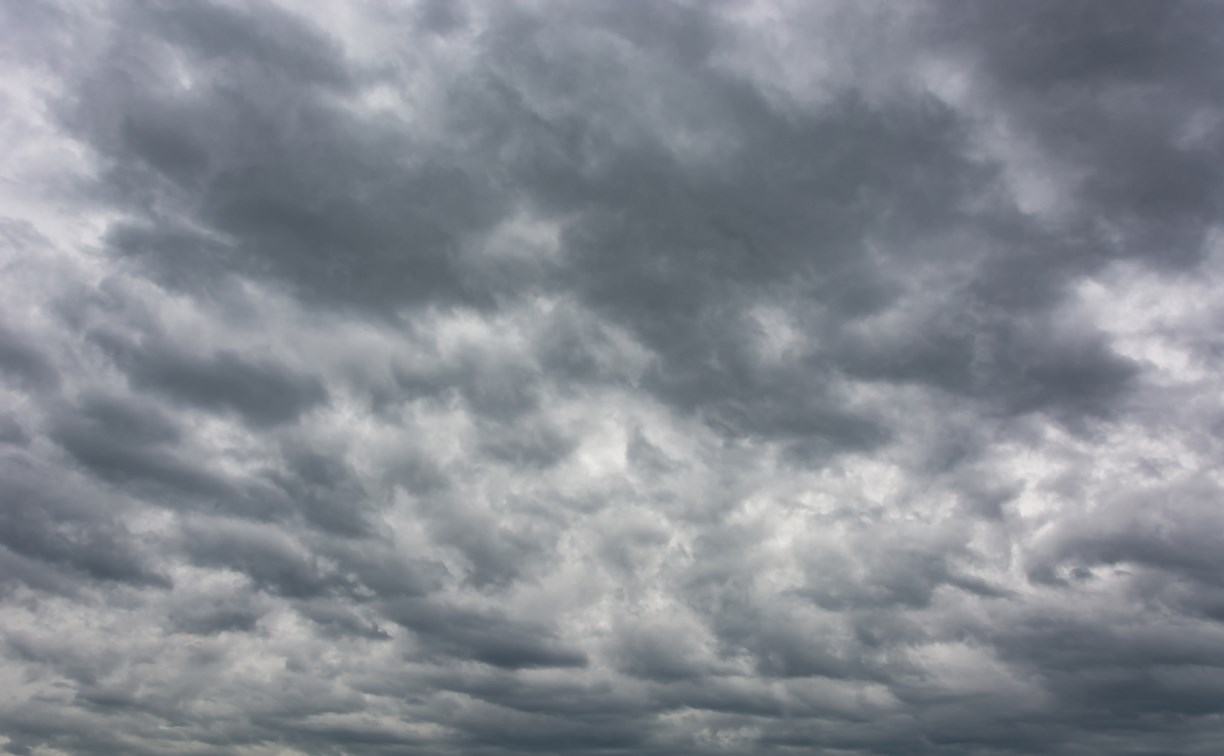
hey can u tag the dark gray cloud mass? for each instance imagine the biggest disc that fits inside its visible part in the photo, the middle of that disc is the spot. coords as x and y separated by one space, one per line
612 377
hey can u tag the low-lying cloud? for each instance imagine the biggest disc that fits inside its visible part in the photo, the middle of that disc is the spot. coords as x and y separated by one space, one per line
579 377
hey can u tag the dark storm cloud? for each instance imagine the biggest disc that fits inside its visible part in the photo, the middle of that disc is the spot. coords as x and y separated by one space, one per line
262 392
1108 88
488 637
271 39
345 208
577 377
307 566
133 449
22 362
54 535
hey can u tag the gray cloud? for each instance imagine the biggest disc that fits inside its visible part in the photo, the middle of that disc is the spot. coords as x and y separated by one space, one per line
261 392
587 378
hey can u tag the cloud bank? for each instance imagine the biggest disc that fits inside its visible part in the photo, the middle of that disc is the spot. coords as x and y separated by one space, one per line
634 377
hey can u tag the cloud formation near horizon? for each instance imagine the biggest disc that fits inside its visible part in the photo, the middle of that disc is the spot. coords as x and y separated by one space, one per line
612 377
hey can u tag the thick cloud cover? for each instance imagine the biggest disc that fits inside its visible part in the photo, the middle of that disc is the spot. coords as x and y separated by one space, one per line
606 377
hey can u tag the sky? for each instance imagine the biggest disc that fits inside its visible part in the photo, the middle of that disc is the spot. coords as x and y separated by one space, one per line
593 377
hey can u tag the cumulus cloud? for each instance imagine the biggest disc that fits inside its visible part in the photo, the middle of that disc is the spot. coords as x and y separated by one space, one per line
578 377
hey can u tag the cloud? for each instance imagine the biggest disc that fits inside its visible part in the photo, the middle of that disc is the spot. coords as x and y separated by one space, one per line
262 393
575 378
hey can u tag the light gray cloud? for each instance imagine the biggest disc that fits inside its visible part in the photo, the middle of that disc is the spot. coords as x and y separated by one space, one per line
576 377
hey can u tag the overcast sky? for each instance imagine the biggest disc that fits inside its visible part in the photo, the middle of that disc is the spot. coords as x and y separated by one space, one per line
605 377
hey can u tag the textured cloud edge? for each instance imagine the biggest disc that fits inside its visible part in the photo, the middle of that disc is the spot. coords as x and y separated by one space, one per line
607 377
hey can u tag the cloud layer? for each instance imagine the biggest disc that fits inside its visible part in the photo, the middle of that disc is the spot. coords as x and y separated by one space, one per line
579 377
